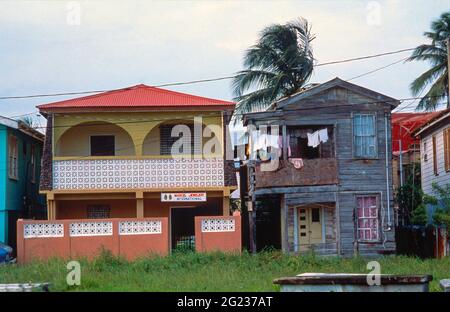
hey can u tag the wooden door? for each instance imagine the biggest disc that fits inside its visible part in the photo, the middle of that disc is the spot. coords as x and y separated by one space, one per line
309 226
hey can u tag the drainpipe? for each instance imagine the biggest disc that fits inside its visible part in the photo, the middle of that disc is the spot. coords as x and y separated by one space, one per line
388 199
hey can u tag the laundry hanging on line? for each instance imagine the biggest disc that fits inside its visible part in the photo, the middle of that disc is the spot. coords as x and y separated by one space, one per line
317 137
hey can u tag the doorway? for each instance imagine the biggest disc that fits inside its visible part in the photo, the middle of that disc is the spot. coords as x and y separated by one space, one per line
182 228
310 222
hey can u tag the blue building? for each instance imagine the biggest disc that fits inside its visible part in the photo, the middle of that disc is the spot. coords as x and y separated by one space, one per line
20 163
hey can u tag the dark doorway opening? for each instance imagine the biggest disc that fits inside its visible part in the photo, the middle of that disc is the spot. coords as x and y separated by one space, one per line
183 228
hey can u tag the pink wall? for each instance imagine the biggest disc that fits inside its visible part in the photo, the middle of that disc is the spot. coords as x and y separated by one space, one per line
217 233
44 239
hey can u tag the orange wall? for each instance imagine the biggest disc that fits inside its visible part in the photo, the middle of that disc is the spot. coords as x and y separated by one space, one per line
218 241
68 247
126 208
77 209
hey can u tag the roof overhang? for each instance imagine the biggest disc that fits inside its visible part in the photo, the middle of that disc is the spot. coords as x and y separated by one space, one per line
445 114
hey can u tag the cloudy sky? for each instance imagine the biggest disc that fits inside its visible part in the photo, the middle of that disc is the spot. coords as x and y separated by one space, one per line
47 47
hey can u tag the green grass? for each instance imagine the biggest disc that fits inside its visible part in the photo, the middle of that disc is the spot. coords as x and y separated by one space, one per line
208 272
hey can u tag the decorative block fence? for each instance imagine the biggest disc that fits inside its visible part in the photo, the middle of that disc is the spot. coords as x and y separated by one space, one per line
216 233
71 239
130 238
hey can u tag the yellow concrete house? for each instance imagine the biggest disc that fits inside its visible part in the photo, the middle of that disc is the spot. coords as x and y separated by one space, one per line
111 155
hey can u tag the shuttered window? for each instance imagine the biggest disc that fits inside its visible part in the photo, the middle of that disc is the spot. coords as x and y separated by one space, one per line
189 142
367 218
447 149
364 136
435 164
33 164
13 161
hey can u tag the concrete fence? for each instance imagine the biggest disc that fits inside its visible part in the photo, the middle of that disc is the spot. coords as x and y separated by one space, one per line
217 233
71 239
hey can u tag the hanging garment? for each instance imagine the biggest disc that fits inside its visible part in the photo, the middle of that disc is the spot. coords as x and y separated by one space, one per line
323 135
297 162
313 139
280 144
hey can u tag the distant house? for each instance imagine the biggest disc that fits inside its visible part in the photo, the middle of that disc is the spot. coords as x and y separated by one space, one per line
435 152
405 144
20 167
331 194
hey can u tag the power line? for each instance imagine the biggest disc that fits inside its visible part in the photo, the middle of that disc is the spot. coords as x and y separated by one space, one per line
364 57
379 68
210 115
192 81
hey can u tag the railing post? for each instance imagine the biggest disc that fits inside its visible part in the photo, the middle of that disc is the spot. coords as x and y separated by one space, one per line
139 204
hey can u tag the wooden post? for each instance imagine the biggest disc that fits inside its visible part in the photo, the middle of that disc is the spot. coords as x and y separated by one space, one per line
139 204
51 209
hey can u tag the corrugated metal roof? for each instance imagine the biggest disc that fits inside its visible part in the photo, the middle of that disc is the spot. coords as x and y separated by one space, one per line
139 96
403 124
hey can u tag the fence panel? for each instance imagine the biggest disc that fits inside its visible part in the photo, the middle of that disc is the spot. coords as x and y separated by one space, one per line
217 233
71 239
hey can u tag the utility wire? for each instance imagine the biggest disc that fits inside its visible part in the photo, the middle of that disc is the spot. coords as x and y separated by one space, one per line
194 81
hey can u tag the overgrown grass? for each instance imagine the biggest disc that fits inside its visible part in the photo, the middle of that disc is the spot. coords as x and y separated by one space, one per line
191 271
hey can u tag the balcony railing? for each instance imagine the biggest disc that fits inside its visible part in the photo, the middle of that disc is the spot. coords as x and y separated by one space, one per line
137 173
319 171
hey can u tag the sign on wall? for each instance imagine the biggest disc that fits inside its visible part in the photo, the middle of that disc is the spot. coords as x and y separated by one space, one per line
183 197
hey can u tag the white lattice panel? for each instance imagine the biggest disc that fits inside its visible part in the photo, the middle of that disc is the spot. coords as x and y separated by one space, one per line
139 227
100 228
218 225
39 230
137 173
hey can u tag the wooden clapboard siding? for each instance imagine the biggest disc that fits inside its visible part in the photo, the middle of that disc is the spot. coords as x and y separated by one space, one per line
427 167
335 106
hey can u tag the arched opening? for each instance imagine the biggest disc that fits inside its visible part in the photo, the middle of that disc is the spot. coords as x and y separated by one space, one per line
95 139
159 140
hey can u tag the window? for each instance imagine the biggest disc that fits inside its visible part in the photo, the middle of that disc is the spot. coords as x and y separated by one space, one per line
435 164
167 141
447 149
315 215
425 153
365 138
367 218
98 211
103 145
33 164
13 148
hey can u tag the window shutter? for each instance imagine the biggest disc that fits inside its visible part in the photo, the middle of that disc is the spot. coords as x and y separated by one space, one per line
435 166
447 149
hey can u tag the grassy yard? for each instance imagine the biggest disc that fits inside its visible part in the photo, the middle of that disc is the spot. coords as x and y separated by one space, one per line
207 272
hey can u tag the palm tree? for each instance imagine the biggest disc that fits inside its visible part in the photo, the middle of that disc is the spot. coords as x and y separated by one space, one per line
278 65
437 75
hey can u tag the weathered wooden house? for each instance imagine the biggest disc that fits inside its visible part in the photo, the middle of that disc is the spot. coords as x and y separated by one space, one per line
332 193
434 138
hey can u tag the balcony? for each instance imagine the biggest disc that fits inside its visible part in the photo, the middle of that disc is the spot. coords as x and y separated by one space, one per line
95 174
319 171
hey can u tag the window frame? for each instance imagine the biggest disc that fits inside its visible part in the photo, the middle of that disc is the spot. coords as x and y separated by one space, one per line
13 162
434 151
106 207
377 217
33 163
446 138
375 135
101 135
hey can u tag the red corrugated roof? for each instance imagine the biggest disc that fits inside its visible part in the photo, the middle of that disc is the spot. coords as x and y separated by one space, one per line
403 124
136 97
